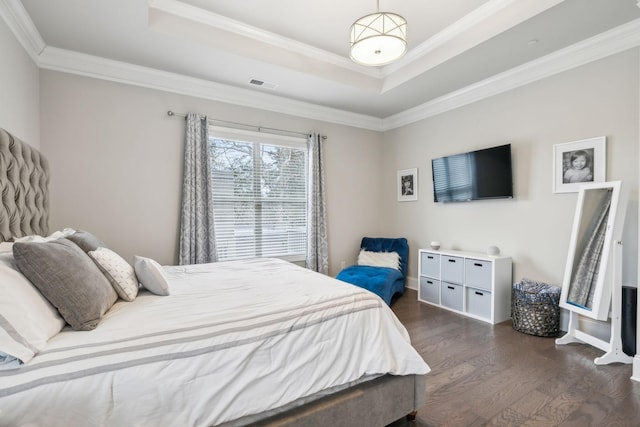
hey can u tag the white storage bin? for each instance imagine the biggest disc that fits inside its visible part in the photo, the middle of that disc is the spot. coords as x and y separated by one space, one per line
478 273
430 265
452 296
452 269
479 303
429 290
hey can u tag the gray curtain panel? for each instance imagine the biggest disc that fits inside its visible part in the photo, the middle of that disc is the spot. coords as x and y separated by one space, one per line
197 234
589 253
317 244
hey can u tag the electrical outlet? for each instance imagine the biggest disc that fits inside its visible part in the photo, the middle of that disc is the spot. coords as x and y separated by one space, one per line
343 264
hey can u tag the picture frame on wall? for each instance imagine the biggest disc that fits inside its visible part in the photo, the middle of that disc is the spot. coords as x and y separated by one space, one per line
579 162
407 185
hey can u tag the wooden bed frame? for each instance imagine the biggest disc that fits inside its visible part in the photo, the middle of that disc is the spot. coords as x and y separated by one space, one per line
24 181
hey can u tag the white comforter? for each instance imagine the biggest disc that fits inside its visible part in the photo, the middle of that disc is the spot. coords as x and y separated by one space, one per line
233 339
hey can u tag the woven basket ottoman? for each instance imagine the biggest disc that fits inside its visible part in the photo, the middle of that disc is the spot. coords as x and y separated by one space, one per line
535 308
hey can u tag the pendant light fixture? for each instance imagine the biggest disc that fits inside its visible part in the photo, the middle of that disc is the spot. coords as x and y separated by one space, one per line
379 38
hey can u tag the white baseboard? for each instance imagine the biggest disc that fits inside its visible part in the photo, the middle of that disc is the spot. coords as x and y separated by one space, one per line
412 283
596 328
635 376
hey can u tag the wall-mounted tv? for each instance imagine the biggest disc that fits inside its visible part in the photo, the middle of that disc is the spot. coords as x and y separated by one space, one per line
476 175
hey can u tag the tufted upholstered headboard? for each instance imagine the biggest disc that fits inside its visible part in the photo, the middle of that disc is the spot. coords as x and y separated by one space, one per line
24 189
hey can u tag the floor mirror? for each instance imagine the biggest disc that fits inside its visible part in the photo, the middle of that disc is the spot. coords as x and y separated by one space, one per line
585 289
592 282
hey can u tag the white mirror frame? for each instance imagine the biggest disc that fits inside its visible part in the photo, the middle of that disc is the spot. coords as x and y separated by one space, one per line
602 293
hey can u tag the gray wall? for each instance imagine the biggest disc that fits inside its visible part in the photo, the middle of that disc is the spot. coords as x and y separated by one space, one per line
19 90
534 228
117 158
117 162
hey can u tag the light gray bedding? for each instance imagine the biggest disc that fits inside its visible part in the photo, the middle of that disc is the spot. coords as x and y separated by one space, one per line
233 339
78 382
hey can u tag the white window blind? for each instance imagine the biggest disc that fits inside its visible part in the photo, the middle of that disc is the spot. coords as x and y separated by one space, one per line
259 195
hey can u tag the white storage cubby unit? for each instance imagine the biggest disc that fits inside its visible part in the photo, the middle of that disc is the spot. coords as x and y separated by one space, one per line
472 284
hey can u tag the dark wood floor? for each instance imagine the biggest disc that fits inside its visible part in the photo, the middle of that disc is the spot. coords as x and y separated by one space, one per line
492 375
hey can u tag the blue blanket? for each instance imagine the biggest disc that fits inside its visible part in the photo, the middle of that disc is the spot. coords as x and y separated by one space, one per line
382 281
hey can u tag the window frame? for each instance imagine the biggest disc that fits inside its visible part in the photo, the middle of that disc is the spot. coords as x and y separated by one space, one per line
271 139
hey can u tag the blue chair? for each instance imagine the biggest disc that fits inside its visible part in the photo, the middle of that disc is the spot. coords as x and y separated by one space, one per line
382 281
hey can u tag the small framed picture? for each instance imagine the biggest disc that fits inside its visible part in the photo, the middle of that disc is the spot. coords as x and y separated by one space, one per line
407 185
579 162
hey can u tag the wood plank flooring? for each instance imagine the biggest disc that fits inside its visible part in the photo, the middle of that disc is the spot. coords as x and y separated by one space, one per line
492 375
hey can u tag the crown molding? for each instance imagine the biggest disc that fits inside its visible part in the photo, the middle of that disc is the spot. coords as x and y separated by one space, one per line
478 15
47 57
616 40
100 68
20 23
196 14
478 26
624 37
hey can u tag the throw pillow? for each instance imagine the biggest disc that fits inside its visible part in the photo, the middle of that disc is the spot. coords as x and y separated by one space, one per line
118 271
68 279
151 275
87 241
379 259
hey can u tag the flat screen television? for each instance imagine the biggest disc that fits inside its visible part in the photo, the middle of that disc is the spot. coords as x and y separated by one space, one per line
476 175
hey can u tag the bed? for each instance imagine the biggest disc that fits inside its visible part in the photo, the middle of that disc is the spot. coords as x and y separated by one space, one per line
253 342
381 268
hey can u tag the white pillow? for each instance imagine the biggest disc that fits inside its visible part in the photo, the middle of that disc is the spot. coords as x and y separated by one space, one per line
60 234
27 319
151 275
118 272
379 259
53 236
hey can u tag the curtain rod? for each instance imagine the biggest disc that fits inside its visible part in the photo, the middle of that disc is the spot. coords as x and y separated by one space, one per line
259 128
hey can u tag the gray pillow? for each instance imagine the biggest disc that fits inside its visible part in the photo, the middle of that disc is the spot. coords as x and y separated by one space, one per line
69 279
87 241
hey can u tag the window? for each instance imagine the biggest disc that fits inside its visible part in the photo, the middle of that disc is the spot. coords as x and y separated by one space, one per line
259 194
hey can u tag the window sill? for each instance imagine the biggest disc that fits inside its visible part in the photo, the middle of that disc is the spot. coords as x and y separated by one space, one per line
292 258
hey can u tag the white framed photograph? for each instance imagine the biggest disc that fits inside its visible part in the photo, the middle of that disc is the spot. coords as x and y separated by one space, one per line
407 185
579 162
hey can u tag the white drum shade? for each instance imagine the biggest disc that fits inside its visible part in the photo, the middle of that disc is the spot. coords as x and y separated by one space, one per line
378 39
